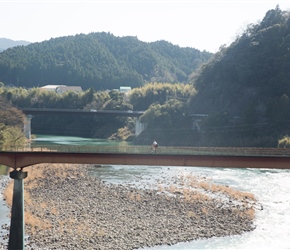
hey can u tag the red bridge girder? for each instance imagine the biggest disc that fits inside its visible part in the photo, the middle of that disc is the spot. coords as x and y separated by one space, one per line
17 160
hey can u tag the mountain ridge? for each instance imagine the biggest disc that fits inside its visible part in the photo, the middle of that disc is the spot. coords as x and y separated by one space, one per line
98 60
6 43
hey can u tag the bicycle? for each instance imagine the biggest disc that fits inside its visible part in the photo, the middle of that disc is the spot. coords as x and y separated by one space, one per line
154 150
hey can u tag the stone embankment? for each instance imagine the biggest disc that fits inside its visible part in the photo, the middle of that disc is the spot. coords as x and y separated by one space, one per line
69 209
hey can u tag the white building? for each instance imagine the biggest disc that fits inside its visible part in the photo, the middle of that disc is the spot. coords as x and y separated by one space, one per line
125 89
62 88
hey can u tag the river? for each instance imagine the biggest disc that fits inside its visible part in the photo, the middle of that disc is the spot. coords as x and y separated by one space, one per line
270 187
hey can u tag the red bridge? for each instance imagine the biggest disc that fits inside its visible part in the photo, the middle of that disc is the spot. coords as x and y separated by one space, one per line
141 155
133 155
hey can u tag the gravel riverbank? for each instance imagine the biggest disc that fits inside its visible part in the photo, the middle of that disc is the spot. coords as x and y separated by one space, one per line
70 210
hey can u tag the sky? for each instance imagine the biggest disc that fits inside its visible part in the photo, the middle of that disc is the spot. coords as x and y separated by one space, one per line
201 24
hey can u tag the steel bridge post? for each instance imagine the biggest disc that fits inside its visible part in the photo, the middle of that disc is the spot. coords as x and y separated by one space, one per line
16 236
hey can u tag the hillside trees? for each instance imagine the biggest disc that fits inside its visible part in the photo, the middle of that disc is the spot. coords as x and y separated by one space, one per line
97 60
98 101
256 64
250 79
170 115
141 98
40 98
169 124
167 116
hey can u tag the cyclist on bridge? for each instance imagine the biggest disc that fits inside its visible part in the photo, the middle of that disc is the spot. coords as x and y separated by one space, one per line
154 146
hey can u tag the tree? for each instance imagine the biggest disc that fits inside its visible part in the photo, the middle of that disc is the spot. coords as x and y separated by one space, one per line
9 115
11 124
11 137
141 98
170 115
88 96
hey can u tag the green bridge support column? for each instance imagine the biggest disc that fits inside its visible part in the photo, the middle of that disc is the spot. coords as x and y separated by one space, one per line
16 236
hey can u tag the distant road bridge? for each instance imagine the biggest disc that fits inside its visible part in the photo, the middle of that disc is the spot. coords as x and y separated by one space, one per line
29 112
92 112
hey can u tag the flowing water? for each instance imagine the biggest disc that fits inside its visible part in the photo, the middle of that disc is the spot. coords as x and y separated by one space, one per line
270 187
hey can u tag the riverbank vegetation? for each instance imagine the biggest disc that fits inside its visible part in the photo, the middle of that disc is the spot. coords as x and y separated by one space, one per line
11 126
284 142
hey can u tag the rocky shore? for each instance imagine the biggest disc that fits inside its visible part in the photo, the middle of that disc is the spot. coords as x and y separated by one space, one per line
68 209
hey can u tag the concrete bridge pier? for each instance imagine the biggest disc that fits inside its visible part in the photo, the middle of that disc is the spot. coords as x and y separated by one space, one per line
16 236
27 126
139 126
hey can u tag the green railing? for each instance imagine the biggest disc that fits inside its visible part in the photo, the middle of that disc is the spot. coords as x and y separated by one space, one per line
134 149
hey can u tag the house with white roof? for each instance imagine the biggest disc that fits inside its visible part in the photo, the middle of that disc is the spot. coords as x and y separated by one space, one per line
62 88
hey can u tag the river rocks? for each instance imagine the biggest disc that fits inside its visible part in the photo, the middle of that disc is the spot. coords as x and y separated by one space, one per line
71 210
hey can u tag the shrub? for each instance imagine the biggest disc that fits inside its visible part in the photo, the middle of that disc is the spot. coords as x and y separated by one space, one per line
284 142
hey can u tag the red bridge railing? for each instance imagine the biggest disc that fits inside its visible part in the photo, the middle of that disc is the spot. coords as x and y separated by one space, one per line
231 151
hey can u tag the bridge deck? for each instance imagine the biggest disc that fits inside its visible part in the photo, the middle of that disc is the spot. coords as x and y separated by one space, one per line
140 155
135 149
51 111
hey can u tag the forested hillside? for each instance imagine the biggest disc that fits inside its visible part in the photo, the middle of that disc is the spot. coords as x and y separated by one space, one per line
98 60
245 88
